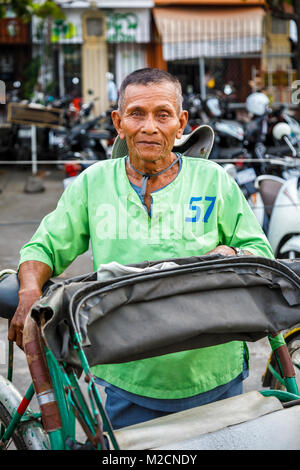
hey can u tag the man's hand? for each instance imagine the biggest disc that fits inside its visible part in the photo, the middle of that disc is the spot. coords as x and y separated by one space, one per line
226 251
32 275
26 300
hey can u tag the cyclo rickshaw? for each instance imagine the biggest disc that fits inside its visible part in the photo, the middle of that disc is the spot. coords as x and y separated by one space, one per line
163 307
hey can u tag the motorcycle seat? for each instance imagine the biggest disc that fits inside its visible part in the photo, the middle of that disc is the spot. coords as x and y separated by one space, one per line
269 188
9 288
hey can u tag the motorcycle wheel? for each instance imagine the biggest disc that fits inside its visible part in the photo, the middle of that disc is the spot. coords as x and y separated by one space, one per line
293 344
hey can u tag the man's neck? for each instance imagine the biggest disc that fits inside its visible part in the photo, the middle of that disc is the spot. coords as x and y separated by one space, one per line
152 166
155 182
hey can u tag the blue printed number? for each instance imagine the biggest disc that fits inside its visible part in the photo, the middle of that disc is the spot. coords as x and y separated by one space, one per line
195 207
210 207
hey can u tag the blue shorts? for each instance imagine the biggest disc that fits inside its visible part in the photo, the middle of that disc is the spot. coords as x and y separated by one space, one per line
125 409
123 412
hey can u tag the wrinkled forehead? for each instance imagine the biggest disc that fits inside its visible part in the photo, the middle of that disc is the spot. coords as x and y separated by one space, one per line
164 92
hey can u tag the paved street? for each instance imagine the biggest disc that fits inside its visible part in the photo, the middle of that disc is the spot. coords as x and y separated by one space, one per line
20 214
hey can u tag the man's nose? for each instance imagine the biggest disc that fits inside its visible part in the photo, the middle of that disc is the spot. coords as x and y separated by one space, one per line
149 124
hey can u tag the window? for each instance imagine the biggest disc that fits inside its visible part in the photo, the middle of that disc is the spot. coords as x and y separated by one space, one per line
279 26
94 27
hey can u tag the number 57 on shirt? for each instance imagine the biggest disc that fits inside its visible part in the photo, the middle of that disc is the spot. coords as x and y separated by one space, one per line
195 208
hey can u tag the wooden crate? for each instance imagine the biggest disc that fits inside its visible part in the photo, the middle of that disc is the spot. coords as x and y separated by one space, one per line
34 115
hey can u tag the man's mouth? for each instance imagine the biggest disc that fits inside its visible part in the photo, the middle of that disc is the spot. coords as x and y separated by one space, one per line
148 142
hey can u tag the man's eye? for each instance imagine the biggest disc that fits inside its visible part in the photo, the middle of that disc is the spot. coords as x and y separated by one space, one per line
136 113
163 115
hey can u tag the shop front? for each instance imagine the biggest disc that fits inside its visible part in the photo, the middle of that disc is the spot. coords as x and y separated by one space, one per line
106 36
207 47
15 51
128 36
210 44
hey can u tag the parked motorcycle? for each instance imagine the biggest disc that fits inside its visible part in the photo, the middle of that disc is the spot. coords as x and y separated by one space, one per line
244 174
229 134
192 103
65 103
257 142
276 202
282 115
78 161
276 205
229 138
86 136
256 129
86 142
74 111
263 120
282 133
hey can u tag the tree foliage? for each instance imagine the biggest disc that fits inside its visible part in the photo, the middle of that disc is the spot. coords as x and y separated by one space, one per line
25 9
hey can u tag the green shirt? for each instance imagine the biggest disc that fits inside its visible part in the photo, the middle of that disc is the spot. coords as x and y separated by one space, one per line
201 208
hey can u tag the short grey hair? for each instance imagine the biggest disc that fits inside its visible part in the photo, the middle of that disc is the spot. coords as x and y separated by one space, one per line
149 76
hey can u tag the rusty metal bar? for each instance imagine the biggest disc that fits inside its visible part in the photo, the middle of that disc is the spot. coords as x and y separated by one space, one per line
39 371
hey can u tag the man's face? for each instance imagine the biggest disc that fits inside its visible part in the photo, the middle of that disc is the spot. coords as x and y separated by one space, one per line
149 120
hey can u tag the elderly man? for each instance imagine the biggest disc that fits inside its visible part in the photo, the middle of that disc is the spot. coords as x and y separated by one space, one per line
152 204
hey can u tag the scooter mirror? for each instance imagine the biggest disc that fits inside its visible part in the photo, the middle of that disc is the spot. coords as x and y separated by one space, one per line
280 130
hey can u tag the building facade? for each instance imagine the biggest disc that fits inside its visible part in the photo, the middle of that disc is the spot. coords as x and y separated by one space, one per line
93 39
205 44
15 51
219 42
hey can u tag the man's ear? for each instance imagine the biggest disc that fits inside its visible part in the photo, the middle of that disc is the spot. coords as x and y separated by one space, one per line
183 119
117 121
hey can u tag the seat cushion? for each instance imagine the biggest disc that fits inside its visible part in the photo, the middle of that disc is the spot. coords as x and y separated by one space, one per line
169 431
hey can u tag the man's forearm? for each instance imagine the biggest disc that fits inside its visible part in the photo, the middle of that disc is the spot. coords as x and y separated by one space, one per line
32 276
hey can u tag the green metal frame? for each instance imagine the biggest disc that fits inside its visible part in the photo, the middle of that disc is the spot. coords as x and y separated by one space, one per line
290 384
16 418
71 403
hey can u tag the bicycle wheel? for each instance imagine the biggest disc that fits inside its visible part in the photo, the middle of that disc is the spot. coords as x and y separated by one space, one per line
16 442
293 344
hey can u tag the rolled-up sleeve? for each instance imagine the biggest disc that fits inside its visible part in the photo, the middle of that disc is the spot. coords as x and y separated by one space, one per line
64 233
